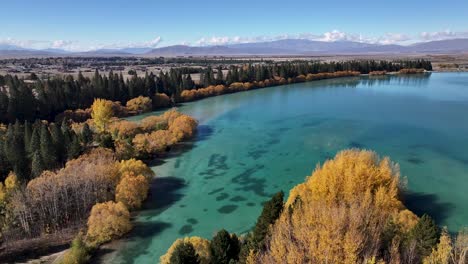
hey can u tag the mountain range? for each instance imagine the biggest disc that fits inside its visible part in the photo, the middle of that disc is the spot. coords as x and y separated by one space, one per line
278 47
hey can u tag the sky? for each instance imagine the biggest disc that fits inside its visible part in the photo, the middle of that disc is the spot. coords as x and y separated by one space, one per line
95 24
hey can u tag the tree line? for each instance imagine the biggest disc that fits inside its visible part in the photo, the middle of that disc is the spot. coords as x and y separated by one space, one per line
46 99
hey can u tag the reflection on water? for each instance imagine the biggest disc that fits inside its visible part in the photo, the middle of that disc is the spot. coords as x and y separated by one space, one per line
253 144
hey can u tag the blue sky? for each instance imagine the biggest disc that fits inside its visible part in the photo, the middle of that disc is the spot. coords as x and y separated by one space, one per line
86 24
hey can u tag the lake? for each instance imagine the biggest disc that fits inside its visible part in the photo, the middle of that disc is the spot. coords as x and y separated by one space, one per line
253 144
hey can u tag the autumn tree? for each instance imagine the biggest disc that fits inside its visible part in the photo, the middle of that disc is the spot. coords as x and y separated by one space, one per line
442 252
107 221
201 246
183 127
132 190
140 104
102 112
338 215
136 167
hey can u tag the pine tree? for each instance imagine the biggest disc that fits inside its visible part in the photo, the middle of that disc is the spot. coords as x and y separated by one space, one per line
74 149
224 248
48 152
27 134
37 166
35 142
184 253
426 234
255 240
58 141
86 134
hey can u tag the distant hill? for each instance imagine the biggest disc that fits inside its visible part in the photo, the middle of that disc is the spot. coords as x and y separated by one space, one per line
278 47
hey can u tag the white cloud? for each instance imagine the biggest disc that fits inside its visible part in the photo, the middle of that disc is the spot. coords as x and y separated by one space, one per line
72 45
393 38
441 35
331 36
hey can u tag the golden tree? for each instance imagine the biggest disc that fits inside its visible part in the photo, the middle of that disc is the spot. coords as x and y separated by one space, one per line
183 127
107 221
140 104
137 167
102 112
339 213
132 190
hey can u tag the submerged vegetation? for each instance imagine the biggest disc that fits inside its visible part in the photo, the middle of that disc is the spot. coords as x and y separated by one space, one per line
350 210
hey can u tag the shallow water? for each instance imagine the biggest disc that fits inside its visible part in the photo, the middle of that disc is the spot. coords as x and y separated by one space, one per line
253 144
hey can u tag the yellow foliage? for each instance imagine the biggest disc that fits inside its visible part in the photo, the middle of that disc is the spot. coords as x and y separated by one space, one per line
201 246
102 112
140 104
441 254
123 129
3 193
11 182
152 123
108 221
171 115
155 142
183 127
348 177
132 190
137 167
338 214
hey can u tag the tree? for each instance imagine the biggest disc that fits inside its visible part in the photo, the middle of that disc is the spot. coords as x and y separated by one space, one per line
442 252
255 240
184 253
47 147
37 166
58 141
35 142
101 113
108 221
426 234
201 246
136 167
339 214
78 252
224 247
132 190
140 104
86 134
74 148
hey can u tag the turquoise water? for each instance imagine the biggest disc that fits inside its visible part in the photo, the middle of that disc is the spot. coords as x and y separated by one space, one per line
253 144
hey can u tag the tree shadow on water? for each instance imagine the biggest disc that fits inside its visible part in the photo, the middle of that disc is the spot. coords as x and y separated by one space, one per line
423 203
163 194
